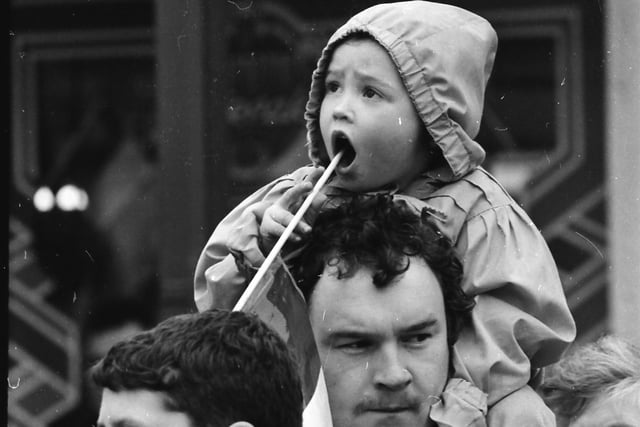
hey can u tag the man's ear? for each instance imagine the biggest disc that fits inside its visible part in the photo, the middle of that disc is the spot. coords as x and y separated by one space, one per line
241 424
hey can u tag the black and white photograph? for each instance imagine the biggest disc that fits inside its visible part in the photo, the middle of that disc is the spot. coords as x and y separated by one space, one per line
323 213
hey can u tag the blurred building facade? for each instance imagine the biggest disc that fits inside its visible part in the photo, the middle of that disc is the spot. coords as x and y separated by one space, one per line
136 125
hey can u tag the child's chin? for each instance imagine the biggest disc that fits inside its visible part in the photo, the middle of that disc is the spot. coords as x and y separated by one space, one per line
351 185
345 182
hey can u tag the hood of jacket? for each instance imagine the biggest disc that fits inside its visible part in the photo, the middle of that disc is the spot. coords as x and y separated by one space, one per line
444 55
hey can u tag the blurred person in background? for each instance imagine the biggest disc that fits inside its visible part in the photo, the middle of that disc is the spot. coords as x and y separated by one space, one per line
597 385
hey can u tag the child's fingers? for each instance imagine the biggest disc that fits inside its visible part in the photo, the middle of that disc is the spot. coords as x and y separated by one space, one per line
277 217
294 196
280 219
314 175
271 229
276 220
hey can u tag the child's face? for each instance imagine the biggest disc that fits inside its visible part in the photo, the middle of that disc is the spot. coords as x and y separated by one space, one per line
367 111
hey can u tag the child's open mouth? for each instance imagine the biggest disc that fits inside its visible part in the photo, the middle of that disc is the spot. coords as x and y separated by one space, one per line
340 142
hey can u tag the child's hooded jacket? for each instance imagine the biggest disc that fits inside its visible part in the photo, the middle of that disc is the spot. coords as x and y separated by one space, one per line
447 89
444 55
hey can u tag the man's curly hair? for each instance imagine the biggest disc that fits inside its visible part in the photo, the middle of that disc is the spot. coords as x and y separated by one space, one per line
217 367
383 235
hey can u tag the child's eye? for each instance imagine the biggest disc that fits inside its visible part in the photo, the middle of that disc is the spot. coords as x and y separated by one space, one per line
370 93
331 86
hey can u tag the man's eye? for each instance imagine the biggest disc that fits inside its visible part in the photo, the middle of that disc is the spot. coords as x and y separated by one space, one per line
417 338
353 346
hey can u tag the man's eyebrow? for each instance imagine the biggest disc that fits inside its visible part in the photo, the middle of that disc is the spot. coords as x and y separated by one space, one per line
350 333
363 333
420 326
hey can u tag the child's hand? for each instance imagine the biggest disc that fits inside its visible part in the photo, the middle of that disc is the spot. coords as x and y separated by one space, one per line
279 215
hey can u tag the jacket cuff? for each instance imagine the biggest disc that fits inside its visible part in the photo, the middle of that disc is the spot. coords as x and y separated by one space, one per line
243 240
460 405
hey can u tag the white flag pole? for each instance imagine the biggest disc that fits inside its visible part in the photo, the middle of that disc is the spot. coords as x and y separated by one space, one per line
287 232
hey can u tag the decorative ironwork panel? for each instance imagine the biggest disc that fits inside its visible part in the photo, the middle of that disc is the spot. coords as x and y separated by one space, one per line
82 120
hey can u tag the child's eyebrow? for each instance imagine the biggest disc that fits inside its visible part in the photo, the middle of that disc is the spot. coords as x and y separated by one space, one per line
372 79
361 75
123 423
333 73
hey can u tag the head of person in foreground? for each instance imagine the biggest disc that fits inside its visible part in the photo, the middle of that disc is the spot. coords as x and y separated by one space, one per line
598 384
383 289
217 368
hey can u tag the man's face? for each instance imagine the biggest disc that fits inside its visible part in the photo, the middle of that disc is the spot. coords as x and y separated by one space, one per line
367 110
139 408
384 351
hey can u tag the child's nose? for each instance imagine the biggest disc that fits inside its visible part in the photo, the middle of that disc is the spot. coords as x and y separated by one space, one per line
342 109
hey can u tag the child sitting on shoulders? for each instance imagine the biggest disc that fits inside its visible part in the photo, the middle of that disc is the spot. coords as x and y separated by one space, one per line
399 90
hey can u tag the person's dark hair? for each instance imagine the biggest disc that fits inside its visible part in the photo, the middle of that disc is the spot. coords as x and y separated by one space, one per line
382 234
606 367
217 367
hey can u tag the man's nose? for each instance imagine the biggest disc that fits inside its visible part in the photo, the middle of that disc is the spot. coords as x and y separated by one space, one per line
391 373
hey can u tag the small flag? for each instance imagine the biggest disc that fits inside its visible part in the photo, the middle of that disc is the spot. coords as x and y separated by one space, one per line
273 295
280 304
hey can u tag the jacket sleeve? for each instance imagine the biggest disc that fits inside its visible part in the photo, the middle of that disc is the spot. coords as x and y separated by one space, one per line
232 250
461 404
521 321
523 407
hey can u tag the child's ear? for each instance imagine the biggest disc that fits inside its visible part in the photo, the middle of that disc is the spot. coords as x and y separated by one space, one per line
241 424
